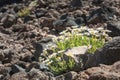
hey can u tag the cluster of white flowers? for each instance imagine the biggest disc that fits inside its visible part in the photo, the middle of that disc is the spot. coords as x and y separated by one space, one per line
84 30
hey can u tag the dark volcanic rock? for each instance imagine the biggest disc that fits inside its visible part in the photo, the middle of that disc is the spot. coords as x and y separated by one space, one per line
9 20
9 55
19 76
4 2
114 27
115 67
68 20
76 3
3 9
67 76
41 45
102 14
49 21
109 54
57 4
40 13
18 28
37 65
17 7
35 74
19 58
29 18
103 72
97 2
64 21
16 69
41 3
4 73
104 76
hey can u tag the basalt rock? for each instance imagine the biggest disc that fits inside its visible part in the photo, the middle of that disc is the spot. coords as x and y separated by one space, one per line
108 54
101 14
114 27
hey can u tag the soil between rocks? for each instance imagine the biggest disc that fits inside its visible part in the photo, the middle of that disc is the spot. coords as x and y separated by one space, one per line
19 35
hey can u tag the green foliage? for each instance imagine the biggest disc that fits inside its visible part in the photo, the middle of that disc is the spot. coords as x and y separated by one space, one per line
59 65
78 40
26 11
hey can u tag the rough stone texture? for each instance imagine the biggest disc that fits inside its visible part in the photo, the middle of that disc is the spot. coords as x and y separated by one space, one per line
101 14
3 2
115 67
76 3
9 20
35 74
41 45
103 72
18 34
109 54
19 76
76 52
114 27
68 76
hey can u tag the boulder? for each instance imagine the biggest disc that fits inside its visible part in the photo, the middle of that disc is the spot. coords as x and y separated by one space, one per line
8 20
66 21
76 3
114 27
76 52
101 14
115 67
19 76
35 74
103 72
4 72
16 69
108 54
41 12
104 76
43 44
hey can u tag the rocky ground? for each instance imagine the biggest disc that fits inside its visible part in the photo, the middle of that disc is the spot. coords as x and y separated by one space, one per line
22 39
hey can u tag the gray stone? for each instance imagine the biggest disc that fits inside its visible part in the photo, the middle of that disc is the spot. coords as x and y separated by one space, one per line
19 27
115 67
19 76
108 54
67 76
114 27
37 65
97 1
4 2
40 13
102 72
8 20
63 22
42 3
35 74
101 14
76 52
29 17
76 3
44 43
4 73
104 76
17 68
